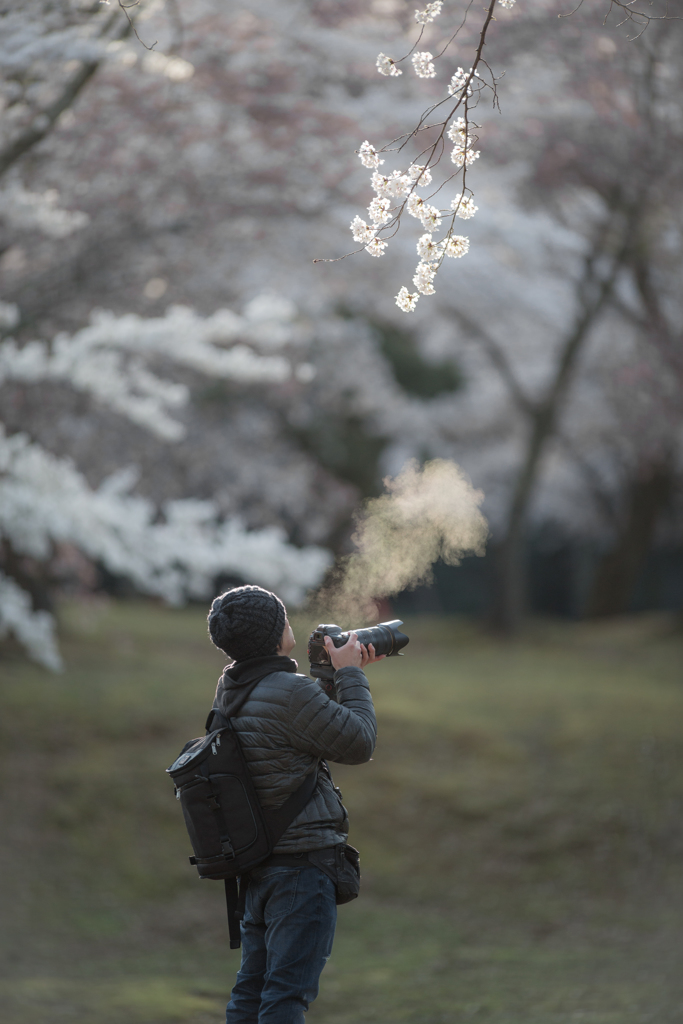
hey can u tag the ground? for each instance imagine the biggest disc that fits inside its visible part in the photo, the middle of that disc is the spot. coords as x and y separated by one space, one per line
520 826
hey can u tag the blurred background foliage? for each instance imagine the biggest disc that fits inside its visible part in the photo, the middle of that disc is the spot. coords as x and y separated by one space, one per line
520 824
208 171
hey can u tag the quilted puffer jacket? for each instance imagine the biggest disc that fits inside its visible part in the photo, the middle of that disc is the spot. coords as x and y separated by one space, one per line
285 725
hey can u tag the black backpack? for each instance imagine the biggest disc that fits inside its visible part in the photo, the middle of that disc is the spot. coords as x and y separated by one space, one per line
229 830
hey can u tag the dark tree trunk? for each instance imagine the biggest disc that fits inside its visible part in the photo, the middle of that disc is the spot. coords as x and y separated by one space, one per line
618 571
31 575
593 292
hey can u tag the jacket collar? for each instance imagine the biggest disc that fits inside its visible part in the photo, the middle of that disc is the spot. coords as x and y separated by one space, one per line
240 673
233 685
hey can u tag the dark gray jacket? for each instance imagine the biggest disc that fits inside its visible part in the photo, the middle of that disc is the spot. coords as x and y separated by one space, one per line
285 726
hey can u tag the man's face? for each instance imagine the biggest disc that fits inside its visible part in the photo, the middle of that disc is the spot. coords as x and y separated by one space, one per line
288 643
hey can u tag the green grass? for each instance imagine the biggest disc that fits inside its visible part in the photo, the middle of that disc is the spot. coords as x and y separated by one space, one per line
521 826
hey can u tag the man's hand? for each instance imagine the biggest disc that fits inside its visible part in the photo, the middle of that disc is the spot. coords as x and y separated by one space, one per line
352 653
369 655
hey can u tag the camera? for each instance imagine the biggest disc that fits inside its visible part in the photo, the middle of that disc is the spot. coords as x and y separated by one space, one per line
385 636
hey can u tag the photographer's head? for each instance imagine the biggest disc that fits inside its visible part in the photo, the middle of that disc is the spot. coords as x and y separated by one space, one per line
250 622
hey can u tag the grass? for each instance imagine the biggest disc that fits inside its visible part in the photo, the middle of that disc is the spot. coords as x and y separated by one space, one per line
520 824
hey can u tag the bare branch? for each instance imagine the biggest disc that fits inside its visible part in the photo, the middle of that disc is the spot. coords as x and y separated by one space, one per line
499 358
639 18
125 8
45 120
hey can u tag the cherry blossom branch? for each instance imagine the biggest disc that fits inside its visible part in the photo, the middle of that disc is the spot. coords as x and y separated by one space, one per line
396 191
463 94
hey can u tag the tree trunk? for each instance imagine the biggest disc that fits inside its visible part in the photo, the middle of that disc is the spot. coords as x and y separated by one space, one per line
592 294
618 571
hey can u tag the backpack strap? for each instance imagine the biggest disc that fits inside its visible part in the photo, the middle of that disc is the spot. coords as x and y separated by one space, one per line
277 820
232 901
217 717
280 818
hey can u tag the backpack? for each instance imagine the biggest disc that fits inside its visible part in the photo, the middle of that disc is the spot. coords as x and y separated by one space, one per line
229 830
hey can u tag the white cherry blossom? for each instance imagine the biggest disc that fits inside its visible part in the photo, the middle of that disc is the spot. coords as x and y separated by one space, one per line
376 247
407 301
368 156
456 246
420 174
464 206
459 80
430 216
424 275
386 66
361 231
460 156
457 131
379 210
422 63
427 249
430 12
415 205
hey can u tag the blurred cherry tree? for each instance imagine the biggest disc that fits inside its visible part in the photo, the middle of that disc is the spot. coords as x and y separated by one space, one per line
197 168
47 504
589 359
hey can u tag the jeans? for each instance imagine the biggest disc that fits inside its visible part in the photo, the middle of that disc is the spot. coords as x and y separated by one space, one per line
287 934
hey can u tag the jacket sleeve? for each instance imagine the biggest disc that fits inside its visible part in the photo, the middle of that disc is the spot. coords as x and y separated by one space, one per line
345 731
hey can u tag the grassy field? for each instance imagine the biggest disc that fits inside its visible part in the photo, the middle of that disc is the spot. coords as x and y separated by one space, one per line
521 826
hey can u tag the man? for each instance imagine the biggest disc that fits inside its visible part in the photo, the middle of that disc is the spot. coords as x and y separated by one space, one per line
285 726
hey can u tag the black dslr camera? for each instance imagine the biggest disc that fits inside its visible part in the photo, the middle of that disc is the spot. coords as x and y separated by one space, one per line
385 637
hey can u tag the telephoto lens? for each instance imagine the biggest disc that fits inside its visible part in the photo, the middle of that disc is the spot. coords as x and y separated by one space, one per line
385 637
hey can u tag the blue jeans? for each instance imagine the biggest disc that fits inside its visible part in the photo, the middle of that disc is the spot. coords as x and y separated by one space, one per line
287 934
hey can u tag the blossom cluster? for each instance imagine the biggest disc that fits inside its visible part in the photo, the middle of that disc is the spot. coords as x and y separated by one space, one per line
464 206
430 12
39 211
387 66
45 501
421 61
35 630
388 187
107 358
462 152
459 82
396 191
423 64
431 251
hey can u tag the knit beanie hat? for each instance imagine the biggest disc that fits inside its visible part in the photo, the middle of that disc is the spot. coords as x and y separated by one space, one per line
247 622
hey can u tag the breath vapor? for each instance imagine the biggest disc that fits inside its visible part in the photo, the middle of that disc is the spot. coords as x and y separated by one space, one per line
426 514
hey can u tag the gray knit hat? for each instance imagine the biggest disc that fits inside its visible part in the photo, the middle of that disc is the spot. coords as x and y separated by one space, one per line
247 622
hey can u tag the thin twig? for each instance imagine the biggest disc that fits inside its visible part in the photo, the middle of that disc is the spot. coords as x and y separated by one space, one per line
124 7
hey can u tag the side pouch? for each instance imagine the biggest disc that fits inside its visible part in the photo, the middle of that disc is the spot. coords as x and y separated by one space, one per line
342 864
